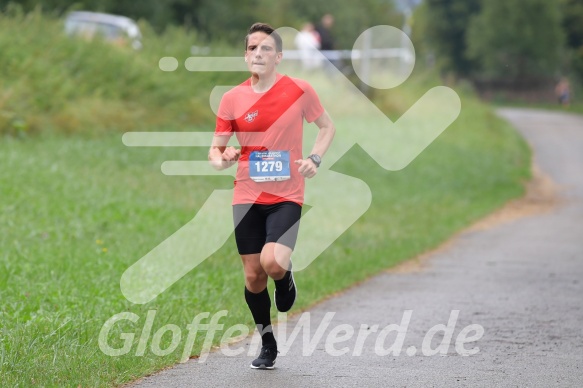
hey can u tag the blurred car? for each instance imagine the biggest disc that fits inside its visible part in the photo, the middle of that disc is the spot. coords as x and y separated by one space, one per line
119 30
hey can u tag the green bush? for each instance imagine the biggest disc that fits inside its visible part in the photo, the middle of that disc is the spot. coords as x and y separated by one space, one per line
52 82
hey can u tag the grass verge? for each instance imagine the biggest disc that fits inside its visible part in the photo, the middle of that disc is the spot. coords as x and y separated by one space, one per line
78 210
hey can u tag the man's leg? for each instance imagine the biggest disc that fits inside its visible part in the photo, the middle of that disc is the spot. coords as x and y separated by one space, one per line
250 237
257 299
276 261
281 226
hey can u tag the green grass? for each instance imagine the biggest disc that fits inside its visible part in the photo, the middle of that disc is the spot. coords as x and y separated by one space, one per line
575 107
77 207
77 211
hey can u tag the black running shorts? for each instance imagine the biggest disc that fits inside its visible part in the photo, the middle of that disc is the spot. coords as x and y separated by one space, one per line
256 225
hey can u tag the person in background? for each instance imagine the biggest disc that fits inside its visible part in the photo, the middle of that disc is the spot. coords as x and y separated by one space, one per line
324 29
307 42
563 92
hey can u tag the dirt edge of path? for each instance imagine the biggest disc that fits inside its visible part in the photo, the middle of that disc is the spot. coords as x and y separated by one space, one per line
542 195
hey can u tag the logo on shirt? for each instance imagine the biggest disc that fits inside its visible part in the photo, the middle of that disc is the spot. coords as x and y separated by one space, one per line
249 117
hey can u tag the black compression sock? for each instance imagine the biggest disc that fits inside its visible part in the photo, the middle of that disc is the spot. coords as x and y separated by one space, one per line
283 283
260 305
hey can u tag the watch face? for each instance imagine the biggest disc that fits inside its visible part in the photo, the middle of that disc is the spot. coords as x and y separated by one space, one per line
316 159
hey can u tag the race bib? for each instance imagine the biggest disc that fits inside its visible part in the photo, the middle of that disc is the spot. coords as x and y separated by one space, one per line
269 166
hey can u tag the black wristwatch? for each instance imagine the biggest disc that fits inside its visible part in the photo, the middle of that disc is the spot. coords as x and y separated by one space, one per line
316 159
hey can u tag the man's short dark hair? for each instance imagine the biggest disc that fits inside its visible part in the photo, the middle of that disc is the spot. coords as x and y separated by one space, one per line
266 28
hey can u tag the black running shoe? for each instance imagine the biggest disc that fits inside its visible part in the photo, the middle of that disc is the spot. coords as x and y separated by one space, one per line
266 359
286 296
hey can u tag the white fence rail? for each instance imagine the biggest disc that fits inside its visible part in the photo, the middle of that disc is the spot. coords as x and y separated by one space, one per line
403 54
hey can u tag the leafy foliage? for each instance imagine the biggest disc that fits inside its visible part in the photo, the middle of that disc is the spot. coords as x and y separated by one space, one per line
516 39
227 20
502 39
50 81
572 11
446 24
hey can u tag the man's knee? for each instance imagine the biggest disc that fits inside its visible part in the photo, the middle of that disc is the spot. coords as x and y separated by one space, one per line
275 266
255 281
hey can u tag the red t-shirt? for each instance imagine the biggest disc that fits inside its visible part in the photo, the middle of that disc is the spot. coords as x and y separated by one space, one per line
270 121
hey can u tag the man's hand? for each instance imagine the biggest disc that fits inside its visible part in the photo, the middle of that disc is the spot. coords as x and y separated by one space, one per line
221 160
231 154
306 167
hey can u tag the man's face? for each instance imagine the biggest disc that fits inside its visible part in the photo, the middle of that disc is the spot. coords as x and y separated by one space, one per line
261 54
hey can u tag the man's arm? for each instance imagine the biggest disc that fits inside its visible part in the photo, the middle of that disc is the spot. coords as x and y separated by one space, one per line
221 156
306 166
325 135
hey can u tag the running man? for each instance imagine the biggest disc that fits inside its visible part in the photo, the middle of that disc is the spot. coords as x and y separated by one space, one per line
266 113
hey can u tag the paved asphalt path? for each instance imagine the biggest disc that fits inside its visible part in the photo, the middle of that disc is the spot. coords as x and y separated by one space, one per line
520 281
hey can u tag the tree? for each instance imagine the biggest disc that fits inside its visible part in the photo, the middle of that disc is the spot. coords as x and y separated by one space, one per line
445 27
572 11
516 40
